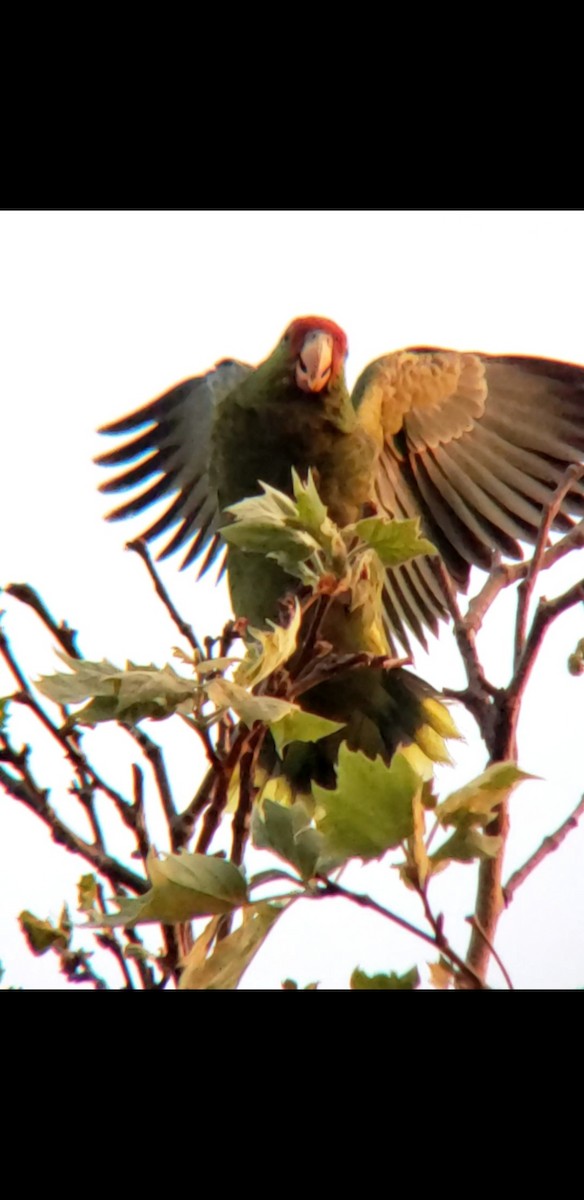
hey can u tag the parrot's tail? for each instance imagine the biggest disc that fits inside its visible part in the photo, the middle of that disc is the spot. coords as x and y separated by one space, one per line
381 710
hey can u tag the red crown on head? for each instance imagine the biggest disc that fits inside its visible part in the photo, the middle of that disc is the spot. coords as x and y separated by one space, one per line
301 326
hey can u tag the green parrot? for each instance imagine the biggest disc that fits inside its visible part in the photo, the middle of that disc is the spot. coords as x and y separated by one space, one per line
472 444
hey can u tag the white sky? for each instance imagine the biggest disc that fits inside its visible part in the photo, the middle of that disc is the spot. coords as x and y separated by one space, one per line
99 312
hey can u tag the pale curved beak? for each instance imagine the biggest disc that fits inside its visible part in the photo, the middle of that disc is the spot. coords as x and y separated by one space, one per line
315 361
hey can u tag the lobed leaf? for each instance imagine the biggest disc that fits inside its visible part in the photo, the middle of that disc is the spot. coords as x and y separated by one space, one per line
371 808
224 968
476 802
394 541
360 981
184 886
301 726
269 650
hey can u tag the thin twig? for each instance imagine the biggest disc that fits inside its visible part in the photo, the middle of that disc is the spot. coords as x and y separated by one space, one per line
219 792
30 794
549 844
185 822
139 813
527 585
109 941
437 941
27 791
475 924
156 759
140 548
205 737
500 738
27 595
442 944
247 769
241 819
478 696
72 751
546 613
504 575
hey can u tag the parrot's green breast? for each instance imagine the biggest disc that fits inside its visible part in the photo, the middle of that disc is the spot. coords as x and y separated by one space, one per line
262 433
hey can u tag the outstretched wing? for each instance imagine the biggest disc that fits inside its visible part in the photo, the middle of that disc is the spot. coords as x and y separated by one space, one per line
475 445
173 453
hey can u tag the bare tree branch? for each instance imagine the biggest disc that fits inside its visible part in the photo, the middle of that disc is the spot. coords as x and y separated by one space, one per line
63 634
437 939
546 613
140 548
527 585
504 575
549 844
473 922
155 757
499 732
26 790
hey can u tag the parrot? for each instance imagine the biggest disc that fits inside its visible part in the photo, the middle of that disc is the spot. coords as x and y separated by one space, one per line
472 444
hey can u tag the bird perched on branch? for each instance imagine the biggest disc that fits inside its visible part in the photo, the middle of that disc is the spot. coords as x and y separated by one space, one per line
473 444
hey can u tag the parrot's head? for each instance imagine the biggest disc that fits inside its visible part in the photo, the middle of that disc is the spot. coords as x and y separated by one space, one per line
318 349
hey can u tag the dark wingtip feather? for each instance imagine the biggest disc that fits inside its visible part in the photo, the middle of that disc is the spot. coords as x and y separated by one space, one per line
151 440
135 421
139 503
213 552
121 483
184 533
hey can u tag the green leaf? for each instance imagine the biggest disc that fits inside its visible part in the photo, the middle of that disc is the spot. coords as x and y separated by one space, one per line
270 651
127 695
289 833
208 666
365 580
470 809
183 886
203 872
312 513
290 533
269 525
371 808
465 845
87 892
275 828
232 956
293 545
385 983
273 507
250 708
43 935
476 802
300 726
313 516
394 541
